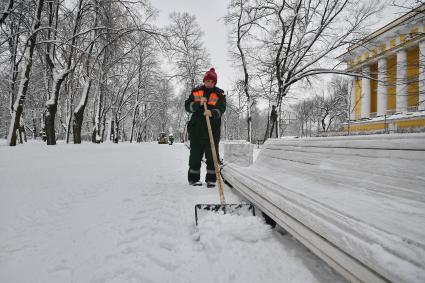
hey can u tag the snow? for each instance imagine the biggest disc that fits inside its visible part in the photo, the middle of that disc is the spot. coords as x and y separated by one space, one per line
238 153
396 116
124 213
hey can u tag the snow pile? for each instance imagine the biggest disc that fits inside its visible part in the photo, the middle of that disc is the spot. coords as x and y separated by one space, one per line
240 153
220 229
235 246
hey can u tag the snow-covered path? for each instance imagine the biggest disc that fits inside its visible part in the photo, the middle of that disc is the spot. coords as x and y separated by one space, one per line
124 213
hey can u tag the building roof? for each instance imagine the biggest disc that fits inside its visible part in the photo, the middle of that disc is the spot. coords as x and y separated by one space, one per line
395 23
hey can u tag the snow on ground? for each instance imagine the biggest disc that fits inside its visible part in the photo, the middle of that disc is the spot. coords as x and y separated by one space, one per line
124 213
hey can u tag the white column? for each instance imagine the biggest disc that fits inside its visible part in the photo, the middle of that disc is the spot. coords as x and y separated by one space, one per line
366 92
401 86
352 90
382 87
422 75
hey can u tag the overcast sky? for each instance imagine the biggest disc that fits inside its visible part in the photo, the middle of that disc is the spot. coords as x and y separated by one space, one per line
210 15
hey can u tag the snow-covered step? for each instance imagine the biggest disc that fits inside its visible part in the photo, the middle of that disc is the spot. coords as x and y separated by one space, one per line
357 202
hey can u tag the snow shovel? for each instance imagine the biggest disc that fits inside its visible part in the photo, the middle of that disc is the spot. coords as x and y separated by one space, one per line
223 208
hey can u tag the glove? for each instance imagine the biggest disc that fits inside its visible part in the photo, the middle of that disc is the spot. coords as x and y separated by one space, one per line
196 107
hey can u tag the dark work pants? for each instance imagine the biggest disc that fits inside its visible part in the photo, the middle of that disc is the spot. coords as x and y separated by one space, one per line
197 150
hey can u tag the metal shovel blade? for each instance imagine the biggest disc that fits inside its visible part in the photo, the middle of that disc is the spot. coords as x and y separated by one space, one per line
243 209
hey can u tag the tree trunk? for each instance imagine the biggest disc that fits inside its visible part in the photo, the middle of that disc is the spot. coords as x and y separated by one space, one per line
70 102
23 87
102 133
97 131
79 113
52 107
273 122
24 133
139 132
279 118
123 135
323 124
77 125
309 129
302 128
68 125
318 125
34 126
116 131
50 124
249 120
21 131
133 123
238 129
266 134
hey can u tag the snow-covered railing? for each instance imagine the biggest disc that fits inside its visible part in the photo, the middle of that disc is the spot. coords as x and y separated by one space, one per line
357 202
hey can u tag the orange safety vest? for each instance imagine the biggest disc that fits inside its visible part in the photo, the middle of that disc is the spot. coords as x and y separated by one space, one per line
212 100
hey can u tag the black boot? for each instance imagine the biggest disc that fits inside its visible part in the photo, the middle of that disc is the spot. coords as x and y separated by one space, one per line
210 177
193 177
210 184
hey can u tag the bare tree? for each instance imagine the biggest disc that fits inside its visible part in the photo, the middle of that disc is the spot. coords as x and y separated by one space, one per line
7 9
119 28
87 79
265 86
234 115
242 16
25 76
300 38
14 29
94 62
185 49
327 111
188 58
147 66
309 32
330 109
409 5
60 69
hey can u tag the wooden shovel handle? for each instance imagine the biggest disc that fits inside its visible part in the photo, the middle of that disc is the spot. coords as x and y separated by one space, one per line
214 156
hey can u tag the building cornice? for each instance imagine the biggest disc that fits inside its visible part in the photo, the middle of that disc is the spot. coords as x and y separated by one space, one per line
392 25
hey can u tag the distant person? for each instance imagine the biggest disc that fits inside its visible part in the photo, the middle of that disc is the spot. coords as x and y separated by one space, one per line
215 100
170 139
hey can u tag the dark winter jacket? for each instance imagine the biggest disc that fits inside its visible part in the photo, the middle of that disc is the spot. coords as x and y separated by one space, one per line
197 126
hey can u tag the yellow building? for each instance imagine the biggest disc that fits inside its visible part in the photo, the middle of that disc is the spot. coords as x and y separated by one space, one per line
390 92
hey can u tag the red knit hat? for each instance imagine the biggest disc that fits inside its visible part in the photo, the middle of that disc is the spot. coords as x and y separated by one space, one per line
210 75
